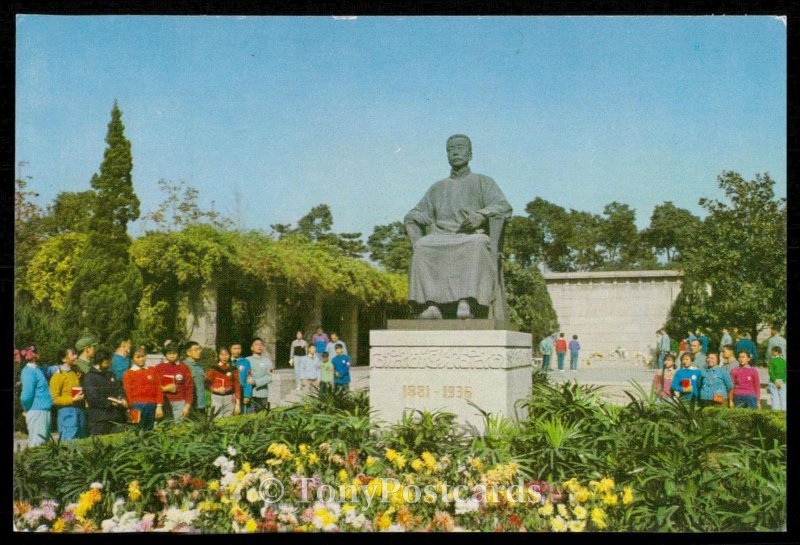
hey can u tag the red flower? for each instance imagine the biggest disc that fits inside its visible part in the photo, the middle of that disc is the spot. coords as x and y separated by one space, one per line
352 459
514 521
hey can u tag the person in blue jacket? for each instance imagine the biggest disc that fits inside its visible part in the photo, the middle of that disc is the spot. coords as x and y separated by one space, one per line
341 370
36 403
716 385
687 380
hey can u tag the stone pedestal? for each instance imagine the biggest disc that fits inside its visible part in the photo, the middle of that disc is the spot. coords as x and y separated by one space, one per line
446 369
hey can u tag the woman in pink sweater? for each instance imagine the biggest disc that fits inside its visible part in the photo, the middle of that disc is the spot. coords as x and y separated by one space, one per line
662 382
746 391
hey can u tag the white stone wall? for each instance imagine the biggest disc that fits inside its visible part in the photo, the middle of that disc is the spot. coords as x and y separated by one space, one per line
613 309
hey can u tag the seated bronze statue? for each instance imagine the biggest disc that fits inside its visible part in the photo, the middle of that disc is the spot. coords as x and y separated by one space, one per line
456 233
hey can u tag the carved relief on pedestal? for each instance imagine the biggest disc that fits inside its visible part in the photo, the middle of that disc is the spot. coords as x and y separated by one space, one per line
449 358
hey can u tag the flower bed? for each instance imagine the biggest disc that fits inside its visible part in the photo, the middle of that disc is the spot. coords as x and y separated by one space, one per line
575 464
303 491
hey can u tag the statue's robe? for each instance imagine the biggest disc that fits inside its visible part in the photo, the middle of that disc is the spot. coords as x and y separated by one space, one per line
448 265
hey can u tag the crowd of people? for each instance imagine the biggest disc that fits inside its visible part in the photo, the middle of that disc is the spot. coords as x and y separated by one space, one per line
726 377
93 391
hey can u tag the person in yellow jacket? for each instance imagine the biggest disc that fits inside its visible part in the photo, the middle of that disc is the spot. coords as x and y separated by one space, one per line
68 398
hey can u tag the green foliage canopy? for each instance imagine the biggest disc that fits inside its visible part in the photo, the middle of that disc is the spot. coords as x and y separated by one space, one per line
735 272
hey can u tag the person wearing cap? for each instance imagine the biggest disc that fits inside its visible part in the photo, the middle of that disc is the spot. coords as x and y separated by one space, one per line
85 347
68 398
176 382
36 401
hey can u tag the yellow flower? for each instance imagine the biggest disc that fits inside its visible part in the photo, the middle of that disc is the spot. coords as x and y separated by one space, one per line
347 507
213 485
557 524
580 512
546 509
606 485
582 494
627 495
384 521
476 464
133 491
571 485
251 526
279 450
370 461
303 448
343 476
417 464
576 525
599 518
400 462
594 485
246 467
391 454
562 510
239 475
58 526
396 497
313 459
374 488
429 460
511 499
610 499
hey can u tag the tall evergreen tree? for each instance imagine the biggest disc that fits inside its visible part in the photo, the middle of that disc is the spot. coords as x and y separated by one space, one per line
107 287
116 203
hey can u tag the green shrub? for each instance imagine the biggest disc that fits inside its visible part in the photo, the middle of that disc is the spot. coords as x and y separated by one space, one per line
691 468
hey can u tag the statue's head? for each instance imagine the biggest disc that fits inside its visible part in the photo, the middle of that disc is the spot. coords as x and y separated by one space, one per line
459 150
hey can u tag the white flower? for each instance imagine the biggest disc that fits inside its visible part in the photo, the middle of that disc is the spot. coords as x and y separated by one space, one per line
231 450
396 528
96 485
469 505
252 495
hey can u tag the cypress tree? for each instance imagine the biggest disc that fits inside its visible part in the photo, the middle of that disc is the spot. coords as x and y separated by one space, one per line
107 285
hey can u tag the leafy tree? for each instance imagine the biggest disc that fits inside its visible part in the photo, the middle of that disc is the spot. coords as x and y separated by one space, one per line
735 272
524 240
671 231
71 212
27 231
553 245
529 302
316 226
51 271
390 246
107 286
180 209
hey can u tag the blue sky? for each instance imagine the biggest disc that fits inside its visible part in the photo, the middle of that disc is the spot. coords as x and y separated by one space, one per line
291 112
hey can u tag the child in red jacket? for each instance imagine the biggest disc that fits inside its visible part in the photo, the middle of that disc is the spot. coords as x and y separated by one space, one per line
222 381
143 390
176 382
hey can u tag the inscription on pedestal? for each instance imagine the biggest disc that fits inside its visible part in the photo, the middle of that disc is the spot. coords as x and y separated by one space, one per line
408 371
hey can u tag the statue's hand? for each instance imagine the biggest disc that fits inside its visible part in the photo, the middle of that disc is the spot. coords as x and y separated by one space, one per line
472 221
